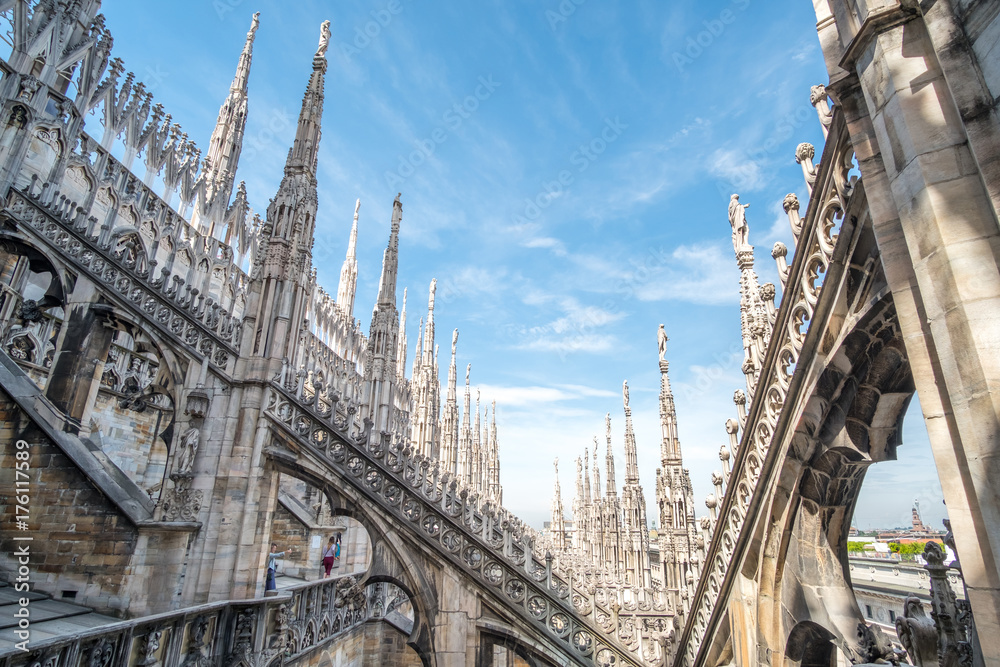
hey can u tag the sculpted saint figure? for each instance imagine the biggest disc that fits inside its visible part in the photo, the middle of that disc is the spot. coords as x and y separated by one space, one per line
738 220
662 341
625 392
324 39
188 448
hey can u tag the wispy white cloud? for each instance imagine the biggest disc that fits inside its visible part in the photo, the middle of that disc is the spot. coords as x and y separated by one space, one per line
701 274
555 245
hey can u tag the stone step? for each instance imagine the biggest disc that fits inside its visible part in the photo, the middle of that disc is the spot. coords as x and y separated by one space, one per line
47 617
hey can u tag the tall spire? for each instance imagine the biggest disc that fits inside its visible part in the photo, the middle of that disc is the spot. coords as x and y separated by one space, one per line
755 317
477 454
298 185
670 446
465 435
631 462
302 156
390 260
610 459
348 286
449 426
597 474
586 477
418 352
383 336
286 266
429 336
224 149
558 526
495 490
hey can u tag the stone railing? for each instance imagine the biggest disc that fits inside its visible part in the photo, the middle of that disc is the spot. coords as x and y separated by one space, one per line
199 325
291 624
831 187
484 541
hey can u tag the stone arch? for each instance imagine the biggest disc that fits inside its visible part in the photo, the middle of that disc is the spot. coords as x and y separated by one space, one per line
150 374
391 562
851 420
32 299
810 645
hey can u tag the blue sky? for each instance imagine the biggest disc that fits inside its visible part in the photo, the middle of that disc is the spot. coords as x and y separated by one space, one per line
565 171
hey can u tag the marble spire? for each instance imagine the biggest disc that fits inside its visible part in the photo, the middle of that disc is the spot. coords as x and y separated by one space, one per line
610 459
558 525
449 421
348 286
223 156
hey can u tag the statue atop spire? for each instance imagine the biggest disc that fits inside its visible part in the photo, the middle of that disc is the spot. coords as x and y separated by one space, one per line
625 392
661 337
738 221
324 40
253 27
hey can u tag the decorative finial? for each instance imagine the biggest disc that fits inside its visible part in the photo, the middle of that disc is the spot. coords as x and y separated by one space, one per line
254 24
738 221
324 39
357 207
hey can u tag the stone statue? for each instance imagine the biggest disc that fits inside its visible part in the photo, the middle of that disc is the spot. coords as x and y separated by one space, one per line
662 341
468 370
454 342
625 392
324 39
917 633
738 220
188 448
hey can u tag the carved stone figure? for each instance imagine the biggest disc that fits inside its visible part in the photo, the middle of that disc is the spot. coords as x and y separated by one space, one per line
738 221
189 443
662 339
324 39
917 633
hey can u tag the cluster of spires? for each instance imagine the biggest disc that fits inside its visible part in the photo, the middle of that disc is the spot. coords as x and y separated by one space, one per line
611 534
468 451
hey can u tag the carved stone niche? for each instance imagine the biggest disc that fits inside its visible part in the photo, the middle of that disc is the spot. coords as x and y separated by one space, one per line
197 404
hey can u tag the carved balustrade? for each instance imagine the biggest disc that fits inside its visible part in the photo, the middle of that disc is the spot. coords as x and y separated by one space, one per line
199 325
300 619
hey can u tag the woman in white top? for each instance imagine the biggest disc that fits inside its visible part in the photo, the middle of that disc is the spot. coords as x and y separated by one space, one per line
272 566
